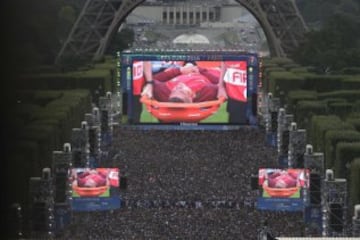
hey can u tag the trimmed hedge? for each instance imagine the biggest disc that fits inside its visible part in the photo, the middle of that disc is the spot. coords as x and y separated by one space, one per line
98 81
349 95
58 130
341 109
26 111
351 82
319 125
354 188
44 97
266 76
269 65
355 122
333 100
44 136
306 109
50 126
298 95
351 70
281 61
299 70
356 108
280 83
332 138
289 66
322 83
345 154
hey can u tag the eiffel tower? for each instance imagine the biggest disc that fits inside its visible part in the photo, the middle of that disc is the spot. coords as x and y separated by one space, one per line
99 20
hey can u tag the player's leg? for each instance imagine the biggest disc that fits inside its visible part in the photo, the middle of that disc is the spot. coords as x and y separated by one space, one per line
136 108
237 111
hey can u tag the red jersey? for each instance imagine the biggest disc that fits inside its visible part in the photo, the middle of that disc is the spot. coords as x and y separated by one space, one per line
195 81
235 79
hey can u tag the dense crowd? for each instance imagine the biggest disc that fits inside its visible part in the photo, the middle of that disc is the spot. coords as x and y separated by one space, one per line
187 185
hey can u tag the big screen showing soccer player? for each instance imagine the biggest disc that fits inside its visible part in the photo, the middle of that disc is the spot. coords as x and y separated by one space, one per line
282 189
95 189
194 89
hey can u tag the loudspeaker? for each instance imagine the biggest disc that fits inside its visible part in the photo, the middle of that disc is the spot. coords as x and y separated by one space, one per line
315 188
77 159
92 140
274 122
104 121
254 182
123 183
285 142
254 103
125 103
336 217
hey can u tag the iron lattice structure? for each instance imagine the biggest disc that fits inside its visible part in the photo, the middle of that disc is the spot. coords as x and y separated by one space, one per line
98 20
335 207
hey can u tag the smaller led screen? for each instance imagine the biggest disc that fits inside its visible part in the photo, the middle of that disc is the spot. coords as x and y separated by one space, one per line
95 188
282 189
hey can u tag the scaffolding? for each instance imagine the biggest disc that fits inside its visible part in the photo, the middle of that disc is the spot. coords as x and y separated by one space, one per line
334 206
42 220
80 145
284 122
356 222
297 144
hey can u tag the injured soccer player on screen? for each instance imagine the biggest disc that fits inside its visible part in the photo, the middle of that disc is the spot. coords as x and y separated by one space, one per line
186 84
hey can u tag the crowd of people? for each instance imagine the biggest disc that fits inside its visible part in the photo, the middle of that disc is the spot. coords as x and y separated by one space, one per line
187 185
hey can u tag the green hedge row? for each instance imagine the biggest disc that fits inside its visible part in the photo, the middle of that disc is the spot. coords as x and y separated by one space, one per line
304 104
355 122
306 109
97 80
280 61
341 109
348 95
345 154
322 83
351 82
318 127
295 96
42 123
280 83
332 138
50 125
281 79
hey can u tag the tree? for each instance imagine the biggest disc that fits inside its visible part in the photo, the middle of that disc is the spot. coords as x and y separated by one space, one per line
121 41
334 46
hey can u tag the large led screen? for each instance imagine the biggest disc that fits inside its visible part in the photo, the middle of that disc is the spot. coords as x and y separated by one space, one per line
95 189
191 89
282 189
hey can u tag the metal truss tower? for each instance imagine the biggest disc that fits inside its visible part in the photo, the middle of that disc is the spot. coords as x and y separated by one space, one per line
100 19
334 206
